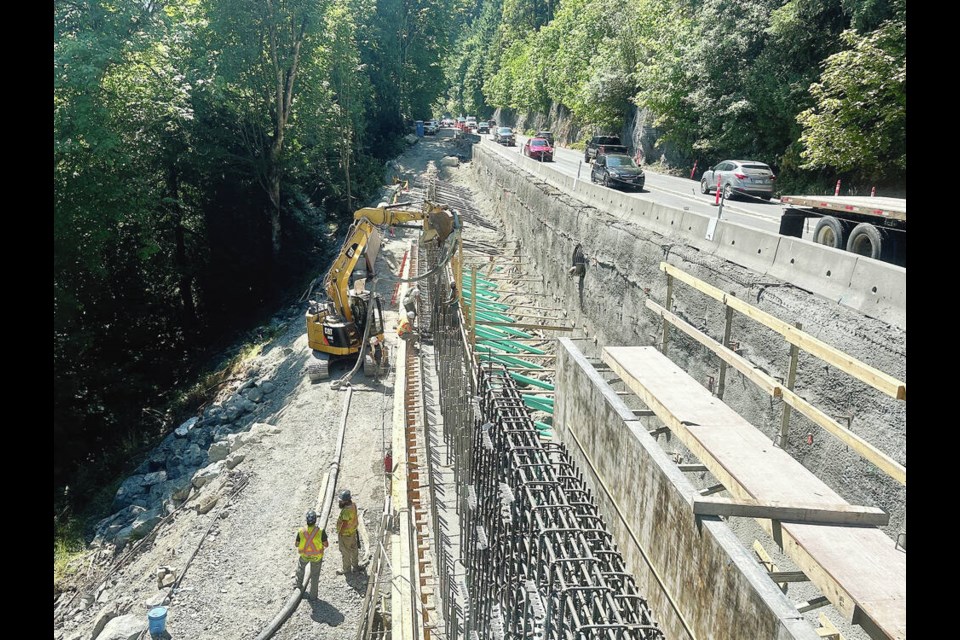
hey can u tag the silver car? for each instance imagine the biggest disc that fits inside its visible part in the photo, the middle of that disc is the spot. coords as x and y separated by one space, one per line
739 177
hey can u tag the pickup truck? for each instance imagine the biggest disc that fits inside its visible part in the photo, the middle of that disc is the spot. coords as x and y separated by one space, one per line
599 145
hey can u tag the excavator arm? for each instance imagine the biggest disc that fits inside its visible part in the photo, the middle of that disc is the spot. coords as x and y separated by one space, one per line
363 240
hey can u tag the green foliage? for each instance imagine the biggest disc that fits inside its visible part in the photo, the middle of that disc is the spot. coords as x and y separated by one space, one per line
859 121
721 78
171 153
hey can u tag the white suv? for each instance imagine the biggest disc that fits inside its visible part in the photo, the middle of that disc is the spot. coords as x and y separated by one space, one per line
739 177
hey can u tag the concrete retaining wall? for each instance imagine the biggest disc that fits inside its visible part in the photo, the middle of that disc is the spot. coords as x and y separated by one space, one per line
697 577
622 272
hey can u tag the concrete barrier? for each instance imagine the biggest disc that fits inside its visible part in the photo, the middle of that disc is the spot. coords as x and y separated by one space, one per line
817 268
655 216
693 226
879 290
745 246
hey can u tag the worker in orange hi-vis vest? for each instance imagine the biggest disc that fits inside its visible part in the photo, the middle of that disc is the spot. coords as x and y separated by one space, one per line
311 541
348 538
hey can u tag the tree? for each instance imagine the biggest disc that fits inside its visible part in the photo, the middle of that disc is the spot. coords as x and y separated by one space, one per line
859 120
259 45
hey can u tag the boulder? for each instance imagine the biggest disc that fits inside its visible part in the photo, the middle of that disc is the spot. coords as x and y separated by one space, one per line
262 429
219 450
109 527
267 387
157 477
213 412
249 406
207 502
201 437
184 430
145 522
106 614
254 394
229 415
450 161
194 457
129 490
234 459
208 473
127 627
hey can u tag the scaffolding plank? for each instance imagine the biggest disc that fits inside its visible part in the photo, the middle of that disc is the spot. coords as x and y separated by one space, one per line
858 568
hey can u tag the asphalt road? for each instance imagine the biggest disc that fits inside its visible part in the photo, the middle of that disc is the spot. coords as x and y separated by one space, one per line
679 192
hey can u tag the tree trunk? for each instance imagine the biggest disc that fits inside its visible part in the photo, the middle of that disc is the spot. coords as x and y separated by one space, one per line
184 280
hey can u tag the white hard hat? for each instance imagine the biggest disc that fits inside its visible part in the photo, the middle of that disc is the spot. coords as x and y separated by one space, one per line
415 291
411 314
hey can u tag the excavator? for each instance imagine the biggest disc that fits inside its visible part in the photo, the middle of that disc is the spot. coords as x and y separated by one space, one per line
348 317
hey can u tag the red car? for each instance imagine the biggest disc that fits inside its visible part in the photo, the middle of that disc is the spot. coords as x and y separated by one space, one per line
538 148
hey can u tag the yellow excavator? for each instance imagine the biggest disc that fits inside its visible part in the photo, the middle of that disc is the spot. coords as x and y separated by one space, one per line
349 318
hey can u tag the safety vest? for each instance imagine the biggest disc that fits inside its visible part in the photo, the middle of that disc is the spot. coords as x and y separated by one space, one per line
310 544
403 326
347 522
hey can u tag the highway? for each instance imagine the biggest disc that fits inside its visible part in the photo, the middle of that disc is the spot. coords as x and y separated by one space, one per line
679 192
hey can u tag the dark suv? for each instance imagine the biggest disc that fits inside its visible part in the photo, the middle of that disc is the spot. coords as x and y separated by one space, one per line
599 145
617 170
546 135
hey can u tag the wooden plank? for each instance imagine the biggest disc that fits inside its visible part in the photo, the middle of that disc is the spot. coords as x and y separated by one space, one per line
827 629
812 603
846 363
819 513
882 461
857 568
691 468
767 562
781 577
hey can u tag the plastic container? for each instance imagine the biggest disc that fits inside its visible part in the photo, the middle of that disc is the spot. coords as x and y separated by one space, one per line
157 619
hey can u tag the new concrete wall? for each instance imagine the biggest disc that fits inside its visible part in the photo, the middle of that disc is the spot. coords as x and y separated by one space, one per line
697 577
622 271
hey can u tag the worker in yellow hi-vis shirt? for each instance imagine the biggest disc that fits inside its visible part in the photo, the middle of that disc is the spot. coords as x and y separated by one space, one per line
311 541
348 537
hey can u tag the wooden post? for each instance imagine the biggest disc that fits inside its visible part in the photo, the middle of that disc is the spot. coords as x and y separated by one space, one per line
669 307
473 308
726 343
791 377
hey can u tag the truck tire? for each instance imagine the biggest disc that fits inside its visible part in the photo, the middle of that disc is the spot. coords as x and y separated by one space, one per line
866 240
830 232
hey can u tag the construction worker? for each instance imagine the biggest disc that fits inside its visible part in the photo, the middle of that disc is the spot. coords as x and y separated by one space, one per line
410 300
311 541
405 327
347 536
